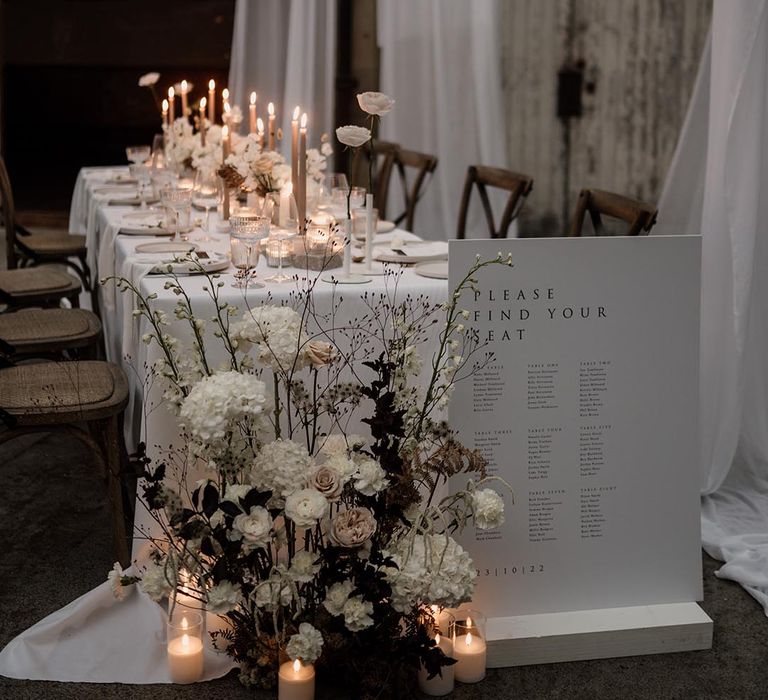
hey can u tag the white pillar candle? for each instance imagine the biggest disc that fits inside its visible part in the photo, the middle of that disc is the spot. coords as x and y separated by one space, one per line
443 683
296 681
271 130
252 114
369 232
171 104
185 659
469 652
212 101
184 91
202 121
295 148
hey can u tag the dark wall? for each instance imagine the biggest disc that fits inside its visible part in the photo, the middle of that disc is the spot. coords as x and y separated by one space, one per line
70 94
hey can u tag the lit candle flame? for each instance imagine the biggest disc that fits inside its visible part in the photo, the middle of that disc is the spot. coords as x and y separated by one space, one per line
184 623
185 641
260 124
469 621
203 102
296 666
304 120
225 94
437 639
296 111
165 105
469 638
271 109
227 108
211 84
253 98
183 85
171 93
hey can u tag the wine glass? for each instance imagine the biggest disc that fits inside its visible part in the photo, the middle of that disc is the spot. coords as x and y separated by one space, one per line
158 152
276 249
178 200
141 174
205 194
247 231
329 183
138 154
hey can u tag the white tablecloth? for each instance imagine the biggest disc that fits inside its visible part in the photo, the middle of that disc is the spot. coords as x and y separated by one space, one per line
95 638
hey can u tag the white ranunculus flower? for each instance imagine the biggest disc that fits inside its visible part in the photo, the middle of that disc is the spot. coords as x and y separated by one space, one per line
218 403
223 597
303 567
305 507
357 614
116 583
253 528
488 509
281 467
336 596
353 136
306 645
154 582
369 478
376 103
149 79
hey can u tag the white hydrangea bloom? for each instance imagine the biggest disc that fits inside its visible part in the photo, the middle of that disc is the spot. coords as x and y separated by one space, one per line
305 507
154 582
275 331
369 477
223 597
357 614
336 596
218 402
432 569
306 645
282 466
488 509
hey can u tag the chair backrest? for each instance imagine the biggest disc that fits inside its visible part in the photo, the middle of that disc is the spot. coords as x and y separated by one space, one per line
519 187
639 216
397 159
9 216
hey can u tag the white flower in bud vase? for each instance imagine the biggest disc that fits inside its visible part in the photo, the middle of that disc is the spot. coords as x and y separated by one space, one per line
376 103
337 596
488 509
306 645
357 614
223 597
305 507
353 136
149 79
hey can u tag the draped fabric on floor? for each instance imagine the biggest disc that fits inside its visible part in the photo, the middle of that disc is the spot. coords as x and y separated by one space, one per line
285 50
716 185
440 59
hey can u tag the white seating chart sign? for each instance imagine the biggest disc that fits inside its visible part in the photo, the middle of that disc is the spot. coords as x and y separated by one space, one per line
589 409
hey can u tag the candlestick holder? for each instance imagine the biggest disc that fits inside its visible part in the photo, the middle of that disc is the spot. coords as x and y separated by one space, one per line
185 647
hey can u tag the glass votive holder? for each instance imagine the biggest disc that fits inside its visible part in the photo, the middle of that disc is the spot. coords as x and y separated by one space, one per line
339 198
279 249
359 222
469 648
185 646
443 682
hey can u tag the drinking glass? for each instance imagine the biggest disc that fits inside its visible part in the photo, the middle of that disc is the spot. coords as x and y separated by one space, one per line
278 248
329 183
359 219
247 231
140 173
179 201
138 154
205 194
339 200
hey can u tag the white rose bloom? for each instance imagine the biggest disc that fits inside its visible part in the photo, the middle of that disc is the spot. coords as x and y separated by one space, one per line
254 528
376 103
217 403
342 465
488 509
432 569
305 507
369 477
281 467
275 331
148 79
357 614
336 596
115 581
306 645
155 583
353 136
223 597
303 567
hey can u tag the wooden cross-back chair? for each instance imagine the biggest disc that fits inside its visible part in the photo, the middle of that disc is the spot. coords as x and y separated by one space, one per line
382 166
481 176
640 217
24 248
397 159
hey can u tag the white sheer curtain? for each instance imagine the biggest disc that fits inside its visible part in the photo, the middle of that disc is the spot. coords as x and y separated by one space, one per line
285 50
441 61
716 185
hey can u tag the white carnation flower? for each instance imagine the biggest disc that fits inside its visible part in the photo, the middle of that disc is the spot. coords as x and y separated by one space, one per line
305 507
488 509
303 567
306 645
217 403
357 614
336 596
223 597
343 466
155 583
115 578
272 593
369 477
281 467
254 528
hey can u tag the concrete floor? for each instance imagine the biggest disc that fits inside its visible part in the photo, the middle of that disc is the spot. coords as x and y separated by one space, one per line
57 546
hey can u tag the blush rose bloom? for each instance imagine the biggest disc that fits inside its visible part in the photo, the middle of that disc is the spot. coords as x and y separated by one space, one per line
376 103
319 353
327 482
353 528
353 136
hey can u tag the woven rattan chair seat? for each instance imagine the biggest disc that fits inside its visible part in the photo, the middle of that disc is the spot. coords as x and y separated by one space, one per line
46 324
31 280
55 387
52 244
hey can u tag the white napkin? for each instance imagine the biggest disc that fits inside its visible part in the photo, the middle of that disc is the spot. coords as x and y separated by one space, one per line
434 248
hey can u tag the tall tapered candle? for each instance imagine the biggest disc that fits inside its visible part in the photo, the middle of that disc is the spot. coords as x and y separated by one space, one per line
295 149
260 131
165 113
271 132
202 120
171 104
252 114
212 101
184 91
225 143
225 98
226 115
301 202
